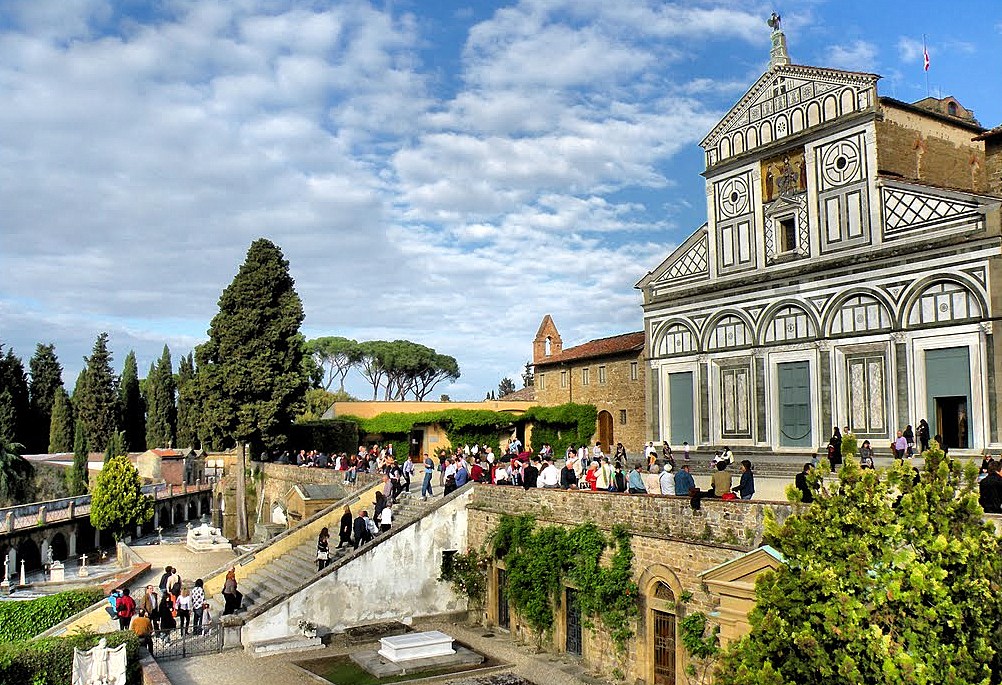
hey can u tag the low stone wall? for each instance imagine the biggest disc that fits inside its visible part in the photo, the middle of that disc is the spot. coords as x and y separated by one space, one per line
737 523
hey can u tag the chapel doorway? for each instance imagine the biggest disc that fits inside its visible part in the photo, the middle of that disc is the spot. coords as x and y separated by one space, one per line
948 390
664 648
572 619
504 615
605 434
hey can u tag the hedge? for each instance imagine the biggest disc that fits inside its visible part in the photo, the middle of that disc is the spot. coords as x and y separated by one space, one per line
21 620
326 435
560 426
49 661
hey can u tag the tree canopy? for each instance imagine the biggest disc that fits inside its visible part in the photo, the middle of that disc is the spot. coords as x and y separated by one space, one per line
187 409
161 407
401 368
335 356
61 425
250 375
95 399
890 577
130 401
15 472
46 380
117 501
16 408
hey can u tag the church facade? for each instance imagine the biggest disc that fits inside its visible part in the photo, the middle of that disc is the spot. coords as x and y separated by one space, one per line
848 273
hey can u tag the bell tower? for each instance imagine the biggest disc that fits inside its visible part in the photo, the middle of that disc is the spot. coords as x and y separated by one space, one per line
547 343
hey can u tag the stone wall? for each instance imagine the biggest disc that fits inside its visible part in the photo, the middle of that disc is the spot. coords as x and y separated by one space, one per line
672 546
618 393
395 579
736 524
925 149
993 166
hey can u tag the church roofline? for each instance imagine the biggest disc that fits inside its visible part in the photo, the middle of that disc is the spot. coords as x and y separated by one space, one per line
655 273
802 70
915 109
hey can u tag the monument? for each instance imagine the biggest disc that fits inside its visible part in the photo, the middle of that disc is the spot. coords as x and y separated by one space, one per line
5 584
99 665
205 538
57 573
414 652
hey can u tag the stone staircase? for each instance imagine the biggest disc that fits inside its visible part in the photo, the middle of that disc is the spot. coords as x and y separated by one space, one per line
298 566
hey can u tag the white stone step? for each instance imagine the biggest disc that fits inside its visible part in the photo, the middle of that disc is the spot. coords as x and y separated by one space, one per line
284 645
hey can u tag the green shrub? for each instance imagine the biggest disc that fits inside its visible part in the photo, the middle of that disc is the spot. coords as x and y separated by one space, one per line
325 435
24 620
49 661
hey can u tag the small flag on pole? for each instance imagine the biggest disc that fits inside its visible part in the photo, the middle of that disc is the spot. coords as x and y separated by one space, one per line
925 57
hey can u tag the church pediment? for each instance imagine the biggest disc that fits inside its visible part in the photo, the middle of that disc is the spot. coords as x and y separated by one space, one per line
688 262
786 100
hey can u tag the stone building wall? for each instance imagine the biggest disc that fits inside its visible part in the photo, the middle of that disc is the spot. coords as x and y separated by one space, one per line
672 545
922 148
620 392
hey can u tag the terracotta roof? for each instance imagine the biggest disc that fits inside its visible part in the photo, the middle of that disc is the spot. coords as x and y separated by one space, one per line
991 133
603 347
523 395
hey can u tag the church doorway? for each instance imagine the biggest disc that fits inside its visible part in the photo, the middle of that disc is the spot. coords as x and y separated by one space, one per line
951 418
681 427
605 435
794 404
948 389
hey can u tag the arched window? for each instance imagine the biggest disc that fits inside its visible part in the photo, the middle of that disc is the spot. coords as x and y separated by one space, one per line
675 339
730 331
942 302
789 323
860 314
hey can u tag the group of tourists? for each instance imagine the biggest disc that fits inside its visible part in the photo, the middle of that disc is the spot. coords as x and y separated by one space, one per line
169 606
370 459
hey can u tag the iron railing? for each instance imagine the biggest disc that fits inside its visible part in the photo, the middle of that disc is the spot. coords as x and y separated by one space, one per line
171 644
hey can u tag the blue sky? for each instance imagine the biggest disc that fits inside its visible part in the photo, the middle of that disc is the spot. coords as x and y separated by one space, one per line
445 172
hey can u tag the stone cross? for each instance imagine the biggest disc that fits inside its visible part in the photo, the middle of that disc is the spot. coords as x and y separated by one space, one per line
23 583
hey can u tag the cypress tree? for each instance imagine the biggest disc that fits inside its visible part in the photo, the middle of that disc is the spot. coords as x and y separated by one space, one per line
46 380
77 476
187 418
61 428
161 417
131 402
97 404
251 377
14 381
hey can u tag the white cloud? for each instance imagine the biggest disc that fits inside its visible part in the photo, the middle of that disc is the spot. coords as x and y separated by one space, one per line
858 55
140 157
910 50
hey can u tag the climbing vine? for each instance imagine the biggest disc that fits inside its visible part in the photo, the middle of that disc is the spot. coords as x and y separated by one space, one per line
468 575
540 561
701 640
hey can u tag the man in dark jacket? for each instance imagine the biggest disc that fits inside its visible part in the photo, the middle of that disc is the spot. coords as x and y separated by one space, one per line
530 475
803 485
361 529
990 496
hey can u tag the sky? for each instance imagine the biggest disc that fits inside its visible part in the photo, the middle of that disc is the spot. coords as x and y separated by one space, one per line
443 172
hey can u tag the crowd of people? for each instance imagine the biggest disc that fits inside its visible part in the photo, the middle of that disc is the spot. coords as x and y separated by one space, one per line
171 605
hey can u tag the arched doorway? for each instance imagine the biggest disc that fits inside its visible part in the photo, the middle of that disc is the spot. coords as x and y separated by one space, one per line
28 552
191 510
59 548
605 435
662 606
